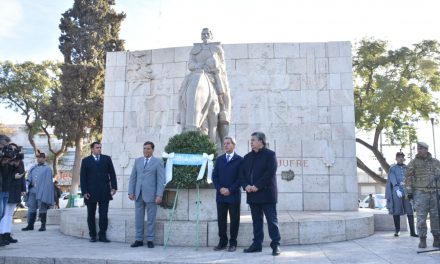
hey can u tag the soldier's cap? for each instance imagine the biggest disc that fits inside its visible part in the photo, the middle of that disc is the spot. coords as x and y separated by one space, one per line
400 154
422 144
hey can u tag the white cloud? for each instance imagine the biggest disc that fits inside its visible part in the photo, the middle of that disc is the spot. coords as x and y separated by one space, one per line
11 13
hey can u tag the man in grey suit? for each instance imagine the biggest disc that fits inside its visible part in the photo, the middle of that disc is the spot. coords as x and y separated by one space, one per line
147 182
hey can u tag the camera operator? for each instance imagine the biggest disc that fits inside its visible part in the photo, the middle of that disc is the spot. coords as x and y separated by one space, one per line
16 188
4 174
11 168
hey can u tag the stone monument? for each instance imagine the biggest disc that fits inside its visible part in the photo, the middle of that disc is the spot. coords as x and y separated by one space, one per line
299 94
204 99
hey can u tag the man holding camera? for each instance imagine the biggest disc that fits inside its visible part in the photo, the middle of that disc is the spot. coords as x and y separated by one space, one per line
4 175
40 192
4 179
11 185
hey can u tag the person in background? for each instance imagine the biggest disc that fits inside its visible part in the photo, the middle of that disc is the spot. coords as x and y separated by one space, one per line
41 197
397 199
371 203
17 188
57 193
11 175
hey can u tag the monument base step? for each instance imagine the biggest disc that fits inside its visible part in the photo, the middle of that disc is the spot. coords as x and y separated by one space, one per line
296 227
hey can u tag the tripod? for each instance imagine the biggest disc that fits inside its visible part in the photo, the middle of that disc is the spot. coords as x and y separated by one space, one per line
435 180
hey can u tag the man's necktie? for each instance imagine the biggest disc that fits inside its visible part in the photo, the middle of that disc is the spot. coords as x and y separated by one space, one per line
228 157
97 158
146 162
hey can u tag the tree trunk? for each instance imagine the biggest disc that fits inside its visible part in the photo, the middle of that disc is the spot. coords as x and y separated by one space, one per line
361 165
380 158
76 164
55 160
30 134
56 154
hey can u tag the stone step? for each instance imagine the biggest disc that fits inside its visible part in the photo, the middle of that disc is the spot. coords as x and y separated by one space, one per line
295 227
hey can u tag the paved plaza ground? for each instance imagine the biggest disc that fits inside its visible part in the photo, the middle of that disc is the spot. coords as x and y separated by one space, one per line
55 248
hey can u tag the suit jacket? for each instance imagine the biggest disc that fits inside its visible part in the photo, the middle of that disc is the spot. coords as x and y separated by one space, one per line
227 175
97 178
148 181
259 169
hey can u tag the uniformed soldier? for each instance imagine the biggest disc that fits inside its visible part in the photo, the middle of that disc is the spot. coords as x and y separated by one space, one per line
419 183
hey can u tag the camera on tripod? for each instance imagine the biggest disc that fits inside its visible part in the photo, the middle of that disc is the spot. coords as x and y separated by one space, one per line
12 151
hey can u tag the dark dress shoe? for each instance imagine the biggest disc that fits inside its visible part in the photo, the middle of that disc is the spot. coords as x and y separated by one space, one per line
150 244
92 239
252 249
232 248
276 251
103 239
414 235
220 247
396 234
137 243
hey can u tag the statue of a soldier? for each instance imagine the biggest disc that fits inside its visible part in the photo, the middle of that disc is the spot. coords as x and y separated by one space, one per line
206 62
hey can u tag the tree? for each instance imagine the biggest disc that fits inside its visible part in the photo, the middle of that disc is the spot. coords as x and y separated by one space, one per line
88 30
393 90
27 88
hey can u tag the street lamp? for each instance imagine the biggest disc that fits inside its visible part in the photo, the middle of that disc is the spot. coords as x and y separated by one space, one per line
433 136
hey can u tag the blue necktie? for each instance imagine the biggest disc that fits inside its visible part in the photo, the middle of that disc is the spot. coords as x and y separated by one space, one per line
228 157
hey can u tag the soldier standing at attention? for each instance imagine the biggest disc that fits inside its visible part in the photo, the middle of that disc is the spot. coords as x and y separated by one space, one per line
418 181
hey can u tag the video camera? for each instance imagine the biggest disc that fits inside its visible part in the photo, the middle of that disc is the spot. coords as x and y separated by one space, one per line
12 151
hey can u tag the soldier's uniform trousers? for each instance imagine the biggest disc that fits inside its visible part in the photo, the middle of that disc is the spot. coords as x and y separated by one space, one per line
426 202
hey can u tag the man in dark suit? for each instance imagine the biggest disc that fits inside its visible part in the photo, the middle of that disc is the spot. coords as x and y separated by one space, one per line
146 185
226 180
258 179
98 185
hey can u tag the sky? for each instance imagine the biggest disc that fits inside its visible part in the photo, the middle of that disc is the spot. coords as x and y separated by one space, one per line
29 28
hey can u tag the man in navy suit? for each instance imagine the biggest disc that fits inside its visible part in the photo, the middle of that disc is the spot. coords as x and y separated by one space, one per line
227 183
258 179
98 185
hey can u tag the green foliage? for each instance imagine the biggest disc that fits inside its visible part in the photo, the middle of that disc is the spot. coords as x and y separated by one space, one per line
394 88
88 30
189 143
27 88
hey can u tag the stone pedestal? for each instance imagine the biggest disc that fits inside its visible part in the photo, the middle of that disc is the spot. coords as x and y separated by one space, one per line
295 227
